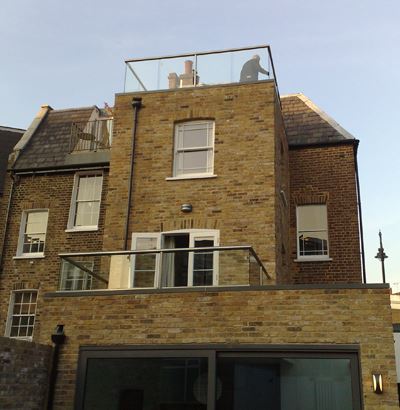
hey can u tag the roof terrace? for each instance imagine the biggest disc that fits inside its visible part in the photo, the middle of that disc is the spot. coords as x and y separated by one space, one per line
248 64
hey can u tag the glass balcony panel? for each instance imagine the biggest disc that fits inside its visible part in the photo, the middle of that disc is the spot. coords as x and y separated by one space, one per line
198 70
91 135
207 266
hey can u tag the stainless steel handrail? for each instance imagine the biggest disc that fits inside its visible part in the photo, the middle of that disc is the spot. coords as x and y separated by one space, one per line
198 53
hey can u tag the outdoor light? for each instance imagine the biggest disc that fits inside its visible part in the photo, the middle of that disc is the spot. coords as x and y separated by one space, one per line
186 207
377 383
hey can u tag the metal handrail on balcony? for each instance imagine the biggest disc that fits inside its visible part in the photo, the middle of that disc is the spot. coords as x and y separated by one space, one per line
232 264
91 135
196 69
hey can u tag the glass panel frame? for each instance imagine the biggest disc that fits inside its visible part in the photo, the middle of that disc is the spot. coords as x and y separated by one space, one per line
214 353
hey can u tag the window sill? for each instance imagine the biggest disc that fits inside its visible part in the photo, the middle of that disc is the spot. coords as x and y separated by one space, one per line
198 176
315 259
27 338
83 229
33 256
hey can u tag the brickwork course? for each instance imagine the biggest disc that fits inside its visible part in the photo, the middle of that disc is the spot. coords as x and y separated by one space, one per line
267 159
24 374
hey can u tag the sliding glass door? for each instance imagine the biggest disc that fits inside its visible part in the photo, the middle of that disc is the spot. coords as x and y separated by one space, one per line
217 379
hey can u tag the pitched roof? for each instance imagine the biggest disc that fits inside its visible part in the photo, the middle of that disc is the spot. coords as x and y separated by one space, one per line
306 124
50 145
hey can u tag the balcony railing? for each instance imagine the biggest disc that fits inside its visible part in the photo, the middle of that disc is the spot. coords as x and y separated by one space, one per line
200 69
91 135
162 268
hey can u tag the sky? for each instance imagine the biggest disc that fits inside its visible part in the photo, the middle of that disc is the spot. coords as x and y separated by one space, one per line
343 55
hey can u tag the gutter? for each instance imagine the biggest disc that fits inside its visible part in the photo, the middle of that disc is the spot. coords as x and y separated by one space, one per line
364 272
323 144
136 105
60 169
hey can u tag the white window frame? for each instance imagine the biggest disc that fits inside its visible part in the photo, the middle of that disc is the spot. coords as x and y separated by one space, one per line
85 279
203 235
306 258
71 227
24 220
146 235
209 126
194 234
11 315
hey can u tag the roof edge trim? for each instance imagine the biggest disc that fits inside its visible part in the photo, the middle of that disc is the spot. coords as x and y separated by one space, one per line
28 134
354 142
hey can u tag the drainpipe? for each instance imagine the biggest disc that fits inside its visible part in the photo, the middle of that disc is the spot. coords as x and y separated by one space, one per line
136 105
364 273
58 338
3 240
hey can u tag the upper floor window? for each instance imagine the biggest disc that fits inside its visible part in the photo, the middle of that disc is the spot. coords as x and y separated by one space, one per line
85 203
32 237
194 148
21 318
312 232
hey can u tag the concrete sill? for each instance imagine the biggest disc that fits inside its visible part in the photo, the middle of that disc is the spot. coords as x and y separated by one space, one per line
327 259
41 256
83 229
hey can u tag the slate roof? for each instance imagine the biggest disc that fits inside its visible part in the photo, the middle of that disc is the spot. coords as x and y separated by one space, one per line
8 138
50 145
306 124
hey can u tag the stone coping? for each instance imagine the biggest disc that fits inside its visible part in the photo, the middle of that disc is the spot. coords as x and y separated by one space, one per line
216 289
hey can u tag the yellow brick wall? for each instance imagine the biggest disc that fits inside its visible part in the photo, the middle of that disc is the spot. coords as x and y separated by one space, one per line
48 191
298 316
240 201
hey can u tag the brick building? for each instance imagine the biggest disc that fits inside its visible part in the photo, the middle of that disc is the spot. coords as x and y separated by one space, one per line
200 245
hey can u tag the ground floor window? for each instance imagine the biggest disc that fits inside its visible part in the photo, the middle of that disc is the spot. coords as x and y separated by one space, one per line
217 379
21 317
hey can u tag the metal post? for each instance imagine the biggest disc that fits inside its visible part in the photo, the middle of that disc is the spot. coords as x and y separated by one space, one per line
381 255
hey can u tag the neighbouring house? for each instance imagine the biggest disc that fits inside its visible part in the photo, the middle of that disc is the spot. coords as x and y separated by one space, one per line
8 139
199 247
